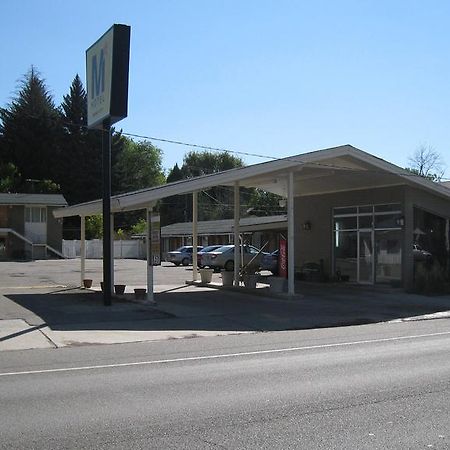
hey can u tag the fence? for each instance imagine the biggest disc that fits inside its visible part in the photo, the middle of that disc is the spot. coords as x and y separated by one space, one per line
133 249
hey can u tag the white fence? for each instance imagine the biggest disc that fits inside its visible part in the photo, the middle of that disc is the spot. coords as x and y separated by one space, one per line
94 249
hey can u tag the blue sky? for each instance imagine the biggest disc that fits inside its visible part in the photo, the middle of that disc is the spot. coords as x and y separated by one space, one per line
274 78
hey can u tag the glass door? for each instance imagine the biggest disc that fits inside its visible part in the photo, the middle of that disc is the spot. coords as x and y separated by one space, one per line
365 257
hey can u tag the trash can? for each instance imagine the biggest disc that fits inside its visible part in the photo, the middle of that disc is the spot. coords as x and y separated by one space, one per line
227 277
206 275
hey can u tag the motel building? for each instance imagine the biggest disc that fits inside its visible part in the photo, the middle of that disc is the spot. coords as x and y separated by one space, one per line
365 220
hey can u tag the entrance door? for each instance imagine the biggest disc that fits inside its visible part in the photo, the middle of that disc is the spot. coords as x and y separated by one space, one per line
365 257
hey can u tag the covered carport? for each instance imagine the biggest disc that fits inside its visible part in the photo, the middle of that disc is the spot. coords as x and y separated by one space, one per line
335 170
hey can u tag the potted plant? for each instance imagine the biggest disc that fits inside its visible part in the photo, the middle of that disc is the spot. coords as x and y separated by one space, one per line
119 289
87 283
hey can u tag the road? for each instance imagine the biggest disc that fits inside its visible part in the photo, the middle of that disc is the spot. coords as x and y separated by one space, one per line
366 387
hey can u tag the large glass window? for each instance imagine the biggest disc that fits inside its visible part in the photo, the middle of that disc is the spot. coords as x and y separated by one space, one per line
367 242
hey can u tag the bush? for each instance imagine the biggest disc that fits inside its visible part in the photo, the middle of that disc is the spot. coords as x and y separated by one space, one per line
431 280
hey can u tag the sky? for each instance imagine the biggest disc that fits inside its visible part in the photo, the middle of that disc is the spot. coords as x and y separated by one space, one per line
272 78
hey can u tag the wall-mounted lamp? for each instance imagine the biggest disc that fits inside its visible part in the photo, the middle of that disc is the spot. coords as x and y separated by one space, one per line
400 221
307 226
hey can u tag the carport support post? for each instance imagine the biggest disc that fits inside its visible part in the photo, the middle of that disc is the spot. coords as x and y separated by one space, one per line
290 214
83 249
112 252
194 234
150 298
237 247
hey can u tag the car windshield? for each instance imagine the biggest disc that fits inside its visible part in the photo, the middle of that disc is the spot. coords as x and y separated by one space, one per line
184 249
210 248
224 248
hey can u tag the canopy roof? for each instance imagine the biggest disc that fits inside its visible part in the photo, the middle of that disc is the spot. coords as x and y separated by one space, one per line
323 171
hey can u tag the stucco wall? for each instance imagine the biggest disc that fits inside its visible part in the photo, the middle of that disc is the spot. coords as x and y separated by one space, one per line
316 244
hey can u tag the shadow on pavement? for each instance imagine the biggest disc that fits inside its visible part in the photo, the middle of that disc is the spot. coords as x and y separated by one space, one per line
220 310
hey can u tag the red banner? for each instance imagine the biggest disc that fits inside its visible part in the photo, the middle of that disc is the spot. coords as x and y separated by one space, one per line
282 259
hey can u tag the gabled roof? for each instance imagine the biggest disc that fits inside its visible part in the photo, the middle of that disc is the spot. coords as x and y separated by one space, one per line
33 199
334 169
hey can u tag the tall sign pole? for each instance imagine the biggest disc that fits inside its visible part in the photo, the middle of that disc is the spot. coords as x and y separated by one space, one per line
107 66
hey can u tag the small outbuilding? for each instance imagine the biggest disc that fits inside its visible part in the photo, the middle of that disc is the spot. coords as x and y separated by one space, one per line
28 229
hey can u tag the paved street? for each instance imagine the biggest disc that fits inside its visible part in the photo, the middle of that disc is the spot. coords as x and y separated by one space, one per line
40 307
366 387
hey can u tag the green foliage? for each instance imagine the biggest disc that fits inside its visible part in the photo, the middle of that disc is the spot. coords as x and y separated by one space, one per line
431 280
215 203
94 227
138 166
9 177
263 203
30 130
139 227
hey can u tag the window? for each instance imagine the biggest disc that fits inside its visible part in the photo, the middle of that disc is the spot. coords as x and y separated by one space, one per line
35 214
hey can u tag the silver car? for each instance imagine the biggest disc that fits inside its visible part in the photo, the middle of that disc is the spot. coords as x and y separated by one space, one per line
223 257
182 255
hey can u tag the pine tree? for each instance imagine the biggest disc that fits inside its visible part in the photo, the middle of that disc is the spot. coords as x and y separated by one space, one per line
30 129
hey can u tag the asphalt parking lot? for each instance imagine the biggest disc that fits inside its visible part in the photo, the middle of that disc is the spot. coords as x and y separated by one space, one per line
42 306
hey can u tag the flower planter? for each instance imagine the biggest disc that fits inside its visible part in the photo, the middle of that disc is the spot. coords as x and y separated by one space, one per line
206 275
227 277
119 289
140 293
87 283
250 281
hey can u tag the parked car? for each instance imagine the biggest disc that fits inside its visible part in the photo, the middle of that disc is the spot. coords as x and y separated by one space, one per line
204 250
223 257
182 255
270 262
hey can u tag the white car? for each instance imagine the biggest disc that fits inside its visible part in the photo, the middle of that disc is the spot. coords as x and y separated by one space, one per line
223 257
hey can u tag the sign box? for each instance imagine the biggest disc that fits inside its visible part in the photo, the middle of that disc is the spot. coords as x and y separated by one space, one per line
107 67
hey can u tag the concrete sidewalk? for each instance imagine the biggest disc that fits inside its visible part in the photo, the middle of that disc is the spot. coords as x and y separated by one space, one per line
43 318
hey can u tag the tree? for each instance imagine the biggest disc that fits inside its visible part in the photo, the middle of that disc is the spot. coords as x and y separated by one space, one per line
138 166
263 203
215 203
81 155
30 130
427 163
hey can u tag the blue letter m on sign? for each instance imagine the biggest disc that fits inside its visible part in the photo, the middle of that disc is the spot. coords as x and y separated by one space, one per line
98 75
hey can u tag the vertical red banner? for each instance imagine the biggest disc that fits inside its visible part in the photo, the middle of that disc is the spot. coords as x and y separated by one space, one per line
282 259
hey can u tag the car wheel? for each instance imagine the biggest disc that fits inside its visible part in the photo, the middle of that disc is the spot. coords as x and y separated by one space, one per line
229 266
185 261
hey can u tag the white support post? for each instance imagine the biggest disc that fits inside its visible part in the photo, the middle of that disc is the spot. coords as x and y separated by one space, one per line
290 214
194 234
112 252
237 247
148 242
83 248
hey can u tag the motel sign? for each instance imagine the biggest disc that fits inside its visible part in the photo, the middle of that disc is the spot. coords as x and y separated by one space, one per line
107 64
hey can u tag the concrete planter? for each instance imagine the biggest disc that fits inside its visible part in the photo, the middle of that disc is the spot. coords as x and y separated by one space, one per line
227 277
206 275
140 293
